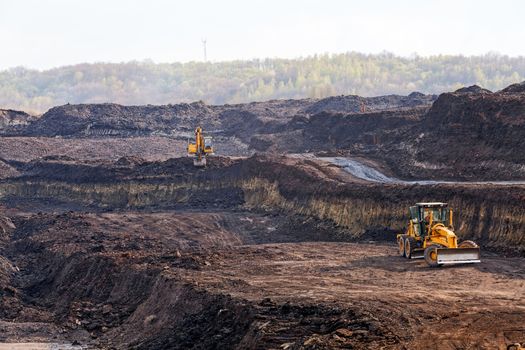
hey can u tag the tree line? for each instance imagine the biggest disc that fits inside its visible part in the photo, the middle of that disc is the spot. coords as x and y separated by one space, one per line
317 76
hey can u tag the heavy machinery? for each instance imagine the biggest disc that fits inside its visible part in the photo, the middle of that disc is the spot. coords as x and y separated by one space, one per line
430 235
200 149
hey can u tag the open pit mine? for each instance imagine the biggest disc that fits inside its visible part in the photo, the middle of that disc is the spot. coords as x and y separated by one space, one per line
285 238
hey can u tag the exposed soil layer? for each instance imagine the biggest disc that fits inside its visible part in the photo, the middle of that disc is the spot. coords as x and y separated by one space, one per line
490 214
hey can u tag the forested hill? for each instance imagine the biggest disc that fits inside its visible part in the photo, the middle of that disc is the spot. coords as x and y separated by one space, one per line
243 81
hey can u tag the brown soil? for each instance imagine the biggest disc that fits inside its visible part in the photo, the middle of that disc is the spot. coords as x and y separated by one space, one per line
224 280
265 269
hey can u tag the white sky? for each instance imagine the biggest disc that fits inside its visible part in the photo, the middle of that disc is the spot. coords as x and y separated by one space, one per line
49 33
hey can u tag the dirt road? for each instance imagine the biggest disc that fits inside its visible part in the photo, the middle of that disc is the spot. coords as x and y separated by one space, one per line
363 171
463 307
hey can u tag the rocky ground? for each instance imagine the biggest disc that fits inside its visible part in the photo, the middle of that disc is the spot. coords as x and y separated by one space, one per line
111 239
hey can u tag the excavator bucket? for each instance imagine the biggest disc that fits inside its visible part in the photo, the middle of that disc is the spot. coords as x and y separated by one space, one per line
199 162
448 256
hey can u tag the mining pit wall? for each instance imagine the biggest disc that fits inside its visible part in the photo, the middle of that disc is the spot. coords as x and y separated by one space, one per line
492 215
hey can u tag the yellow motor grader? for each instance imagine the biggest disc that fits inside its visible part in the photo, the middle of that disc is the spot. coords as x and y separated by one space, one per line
430 235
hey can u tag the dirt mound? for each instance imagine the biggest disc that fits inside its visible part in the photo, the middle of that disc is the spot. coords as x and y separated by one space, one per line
243 120
515 88
474 89
477 111
129 161
486 127
11 120
349 104
357 104
114 120
326 131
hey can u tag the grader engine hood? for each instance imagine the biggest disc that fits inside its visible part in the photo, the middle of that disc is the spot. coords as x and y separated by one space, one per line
444 232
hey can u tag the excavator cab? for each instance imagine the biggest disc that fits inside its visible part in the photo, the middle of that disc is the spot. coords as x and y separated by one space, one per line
208 144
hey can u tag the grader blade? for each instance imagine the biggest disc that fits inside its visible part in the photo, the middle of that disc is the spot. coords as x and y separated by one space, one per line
449 256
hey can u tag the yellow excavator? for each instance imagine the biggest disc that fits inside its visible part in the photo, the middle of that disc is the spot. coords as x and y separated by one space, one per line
430 235
200 149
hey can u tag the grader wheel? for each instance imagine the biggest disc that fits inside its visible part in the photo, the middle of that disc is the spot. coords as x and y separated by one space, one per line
431 256
401 245
410 244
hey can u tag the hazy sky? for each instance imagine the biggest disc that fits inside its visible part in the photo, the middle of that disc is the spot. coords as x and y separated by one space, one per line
49 33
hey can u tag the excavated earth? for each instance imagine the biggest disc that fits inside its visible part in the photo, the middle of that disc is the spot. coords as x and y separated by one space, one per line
111 239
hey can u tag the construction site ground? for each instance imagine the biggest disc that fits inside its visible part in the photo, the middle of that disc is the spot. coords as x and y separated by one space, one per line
275 282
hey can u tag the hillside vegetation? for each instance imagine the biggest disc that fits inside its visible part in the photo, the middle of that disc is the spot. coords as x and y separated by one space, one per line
135 83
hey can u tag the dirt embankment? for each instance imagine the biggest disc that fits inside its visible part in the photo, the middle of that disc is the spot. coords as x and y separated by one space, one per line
116 120
110 119
470 134
355 134
489 214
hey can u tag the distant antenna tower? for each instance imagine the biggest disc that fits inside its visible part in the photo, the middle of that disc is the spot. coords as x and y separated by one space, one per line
204 47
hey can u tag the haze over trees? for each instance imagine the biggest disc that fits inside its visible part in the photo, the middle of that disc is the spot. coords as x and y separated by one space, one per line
146 82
